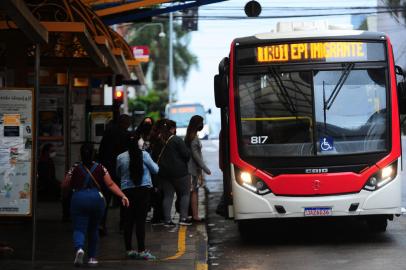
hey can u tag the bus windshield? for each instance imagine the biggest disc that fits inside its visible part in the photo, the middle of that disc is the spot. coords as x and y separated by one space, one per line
313 113
181 114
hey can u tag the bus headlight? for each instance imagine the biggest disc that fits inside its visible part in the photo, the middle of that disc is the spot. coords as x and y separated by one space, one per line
246 178
382 177
252 183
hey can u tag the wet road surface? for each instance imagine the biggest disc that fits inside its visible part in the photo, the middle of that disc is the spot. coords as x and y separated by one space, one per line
299 244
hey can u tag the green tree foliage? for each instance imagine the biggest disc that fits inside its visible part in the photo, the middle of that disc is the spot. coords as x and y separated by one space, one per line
364 25
153 103
184 60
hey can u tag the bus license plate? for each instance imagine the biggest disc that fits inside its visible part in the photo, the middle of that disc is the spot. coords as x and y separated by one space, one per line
318 212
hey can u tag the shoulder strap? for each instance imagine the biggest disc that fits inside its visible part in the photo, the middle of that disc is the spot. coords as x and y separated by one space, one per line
86 174
93 168
89 174
163 148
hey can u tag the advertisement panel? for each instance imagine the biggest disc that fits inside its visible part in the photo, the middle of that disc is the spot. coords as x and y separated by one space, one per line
16 155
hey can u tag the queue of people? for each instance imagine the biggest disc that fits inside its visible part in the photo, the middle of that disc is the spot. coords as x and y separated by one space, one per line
145 169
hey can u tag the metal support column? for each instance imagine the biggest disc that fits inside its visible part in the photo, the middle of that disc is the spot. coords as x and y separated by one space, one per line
170 88
67 119
35 149
88 106
125 99
116 105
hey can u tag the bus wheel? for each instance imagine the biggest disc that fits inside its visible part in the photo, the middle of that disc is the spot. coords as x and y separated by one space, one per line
377 224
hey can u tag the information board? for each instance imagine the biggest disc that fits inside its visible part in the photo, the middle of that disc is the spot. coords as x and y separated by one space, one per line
16 155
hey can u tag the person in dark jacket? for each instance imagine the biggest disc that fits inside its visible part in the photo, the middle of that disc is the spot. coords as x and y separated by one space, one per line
156 146
114 142
173 170
48 185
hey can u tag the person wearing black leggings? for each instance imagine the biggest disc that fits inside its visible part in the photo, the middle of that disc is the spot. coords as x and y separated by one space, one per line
134 169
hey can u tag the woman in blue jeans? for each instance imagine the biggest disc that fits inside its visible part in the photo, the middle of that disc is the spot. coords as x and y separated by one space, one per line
86 179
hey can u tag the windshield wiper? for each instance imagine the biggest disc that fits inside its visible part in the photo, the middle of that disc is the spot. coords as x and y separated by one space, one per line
284 91
339 85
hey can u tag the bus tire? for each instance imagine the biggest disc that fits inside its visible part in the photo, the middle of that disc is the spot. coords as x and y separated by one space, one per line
377 224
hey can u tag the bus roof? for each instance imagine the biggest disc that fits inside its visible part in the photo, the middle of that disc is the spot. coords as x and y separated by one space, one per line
311 35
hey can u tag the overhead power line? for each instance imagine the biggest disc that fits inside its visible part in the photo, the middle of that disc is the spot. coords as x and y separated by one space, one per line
243 17
301 8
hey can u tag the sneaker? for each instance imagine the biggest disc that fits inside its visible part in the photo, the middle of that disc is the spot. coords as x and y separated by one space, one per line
146 255
79 257
92 262
185 222
169 224
132 254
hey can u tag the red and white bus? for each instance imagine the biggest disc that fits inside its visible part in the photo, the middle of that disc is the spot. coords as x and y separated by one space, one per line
310 126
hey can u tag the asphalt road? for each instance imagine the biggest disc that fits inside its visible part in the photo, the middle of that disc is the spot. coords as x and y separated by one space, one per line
301 244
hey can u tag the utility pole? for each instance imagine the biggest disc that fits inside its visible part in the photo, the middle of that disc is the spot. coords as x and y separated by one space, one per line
170 87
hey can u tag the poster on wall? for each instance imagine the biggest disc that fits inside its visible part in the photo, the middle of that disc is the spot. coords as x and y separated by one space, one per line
16 156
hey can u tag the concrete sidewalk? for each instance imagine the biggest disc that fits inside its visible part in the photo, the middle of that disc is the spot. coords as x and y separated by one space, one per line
181 247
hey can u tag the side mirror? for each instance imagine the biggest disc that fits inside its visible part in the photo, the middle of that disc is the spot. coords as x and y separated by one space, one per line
221 84
401 89
220 91
224 65
399 71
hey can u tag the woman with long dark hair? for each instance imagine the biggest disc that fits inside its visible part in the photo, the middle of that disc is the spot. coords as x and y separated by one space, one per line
134 169
143 131
86 179
196 164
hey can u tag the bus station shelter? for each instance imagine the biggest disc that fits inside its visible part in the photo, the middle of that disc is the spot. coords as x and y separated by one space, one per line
55 58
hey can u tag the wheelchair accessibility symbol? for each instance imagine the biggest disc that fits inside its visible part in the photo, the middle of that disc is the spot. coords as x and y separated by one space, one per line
326 144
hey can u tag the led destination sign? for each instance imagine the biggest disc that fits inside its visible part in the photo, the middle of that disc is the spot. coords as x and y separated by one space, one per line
183 110
313 51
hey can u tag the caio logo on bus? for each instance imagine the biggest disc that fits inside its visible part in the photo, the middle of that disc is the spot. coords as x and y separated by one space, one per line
316 170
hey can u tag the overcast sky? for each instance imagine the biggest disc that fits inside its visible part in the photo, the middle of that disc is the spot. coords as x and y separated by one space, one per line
212 41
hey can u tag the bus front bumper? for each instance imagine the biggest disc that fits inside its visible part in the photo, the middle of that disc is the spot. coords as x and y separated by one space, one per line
384 201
